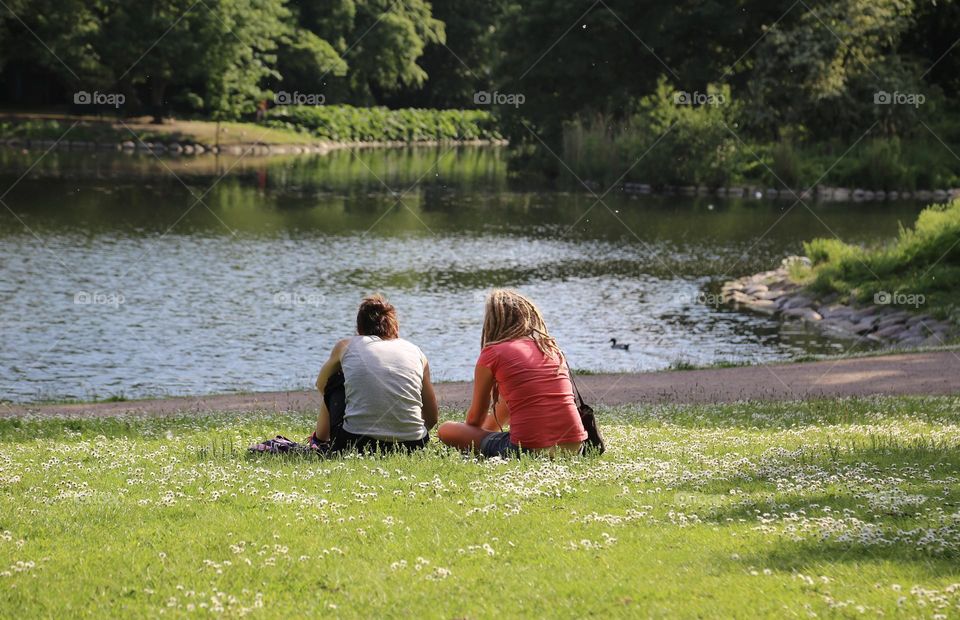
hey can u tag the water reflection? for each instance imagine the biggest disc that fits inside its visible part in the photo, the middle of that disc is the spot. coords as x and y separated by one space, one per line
239 273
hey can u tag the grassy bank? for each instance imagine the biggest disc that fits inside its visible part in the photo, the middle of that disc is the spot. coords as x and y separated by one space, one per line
108 130
919 270
827 508
344 123
294 125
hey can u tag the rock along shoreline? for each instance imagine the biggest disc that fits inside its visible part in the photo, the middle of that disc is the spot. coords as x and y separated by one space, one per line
773 293
251 148
821 193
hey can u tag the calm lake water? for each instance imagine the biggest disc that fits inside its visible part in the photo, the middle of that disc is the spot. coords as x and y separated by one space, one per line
128 275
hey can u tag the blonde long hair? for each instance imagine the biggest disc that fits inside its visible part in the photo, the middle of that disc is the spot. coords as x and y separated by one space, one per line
509 315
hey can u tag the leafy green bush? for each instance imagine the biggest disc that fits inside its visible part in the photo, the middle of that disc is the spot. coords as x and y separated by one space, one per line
923 260
679 143
349 124
666 143
672 139
831 251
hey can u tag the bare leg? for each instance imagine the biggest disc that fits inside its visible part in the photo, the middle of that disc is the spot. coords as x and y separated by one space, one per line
462 436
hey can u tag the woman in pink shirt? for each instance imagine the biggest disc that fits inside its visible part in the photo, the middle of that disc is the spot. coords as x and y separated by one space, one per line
521 371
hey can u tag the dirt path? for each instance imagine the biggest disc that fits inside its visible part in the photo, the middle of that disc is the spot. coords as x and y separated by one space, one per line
934 373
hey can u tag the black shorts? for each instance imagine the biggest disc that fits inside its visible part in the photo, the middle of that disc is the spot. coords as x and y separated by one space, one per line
499 444
348 442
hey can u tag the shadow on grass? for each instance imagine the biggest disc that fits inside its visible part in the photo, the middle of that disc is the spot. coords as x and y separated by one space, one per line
838 500
815 557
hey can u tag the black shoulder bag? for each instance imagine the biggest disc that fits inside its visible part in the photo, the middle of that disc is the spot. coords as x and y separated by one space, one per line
588 418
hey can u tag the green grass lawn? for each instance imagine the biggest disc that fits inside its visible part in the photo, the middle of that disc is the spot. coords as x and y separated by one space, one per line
826 508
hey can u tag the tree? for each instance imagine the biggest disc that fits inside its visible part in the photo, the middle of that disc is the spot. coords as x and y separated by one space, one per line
58 36
466 62
213 55
240 43
579 59
823 71
380 40
933 41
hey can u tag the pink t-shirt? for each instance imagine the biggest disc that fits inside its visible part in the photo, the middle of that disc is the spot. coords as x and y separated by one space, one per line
543 411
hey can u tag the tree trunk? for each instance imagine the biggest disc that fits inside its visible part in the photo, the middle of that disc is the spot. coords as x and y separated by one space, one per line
157 107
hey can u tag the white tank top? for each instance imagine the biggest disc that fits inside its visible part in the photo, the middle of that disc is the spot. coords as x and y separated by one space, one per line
384 388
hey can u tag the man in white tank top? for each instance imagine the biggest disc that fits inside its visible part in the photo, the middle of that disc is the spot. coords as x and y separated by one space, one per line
376 387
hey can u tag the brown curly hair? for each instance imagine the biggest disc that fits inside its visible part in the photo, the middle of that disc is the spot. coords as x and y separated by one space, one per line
377 317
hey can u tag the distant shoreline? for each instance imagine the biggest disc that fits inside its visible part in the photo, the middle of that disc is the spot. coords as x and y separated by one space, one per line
188 137
239 148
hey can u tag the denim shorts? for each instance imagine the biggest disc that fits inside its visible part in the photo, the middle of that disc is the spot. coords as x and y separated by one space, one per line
498 444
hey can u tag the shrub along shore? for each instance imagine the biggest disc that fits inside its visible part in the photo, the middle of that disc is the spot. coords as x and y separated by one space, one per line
293 129
666 144
319 129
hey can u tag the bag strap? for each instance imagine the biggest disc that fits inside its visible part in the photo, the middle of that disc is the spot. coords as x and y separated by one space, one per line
576 390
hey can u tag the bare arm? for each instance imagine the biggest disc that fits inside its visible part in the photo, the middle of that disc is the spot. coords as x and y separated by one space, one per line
482 386
332 365
431 411
329 368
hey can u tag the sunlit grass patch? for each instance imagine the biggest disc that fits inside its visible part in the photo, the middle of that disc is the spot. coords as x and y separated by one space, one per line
923 262
826 507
